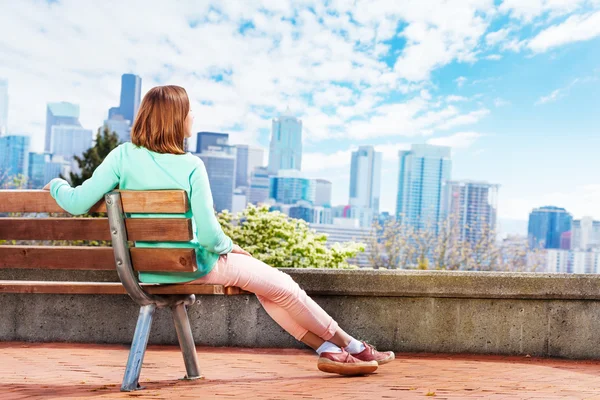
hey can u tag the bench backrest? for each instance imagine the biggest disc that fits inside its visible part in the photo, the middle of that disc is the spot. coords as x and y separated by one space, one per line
37 227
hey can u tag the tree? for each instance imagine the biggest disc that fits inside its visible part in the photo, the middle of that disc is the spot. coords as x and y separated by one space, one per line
402 246
284 242
93 157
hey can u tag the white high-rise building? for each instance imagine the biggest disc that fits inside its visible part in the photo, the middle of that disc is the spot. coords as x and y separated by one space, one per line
323 193
585 234
575 262
248 158
258 193
3 107
285 151
472 208
238 202
365 178
68 141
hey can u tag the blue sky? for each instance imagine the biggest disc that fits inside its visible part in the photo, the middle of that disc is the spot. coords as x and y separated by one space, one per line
513 86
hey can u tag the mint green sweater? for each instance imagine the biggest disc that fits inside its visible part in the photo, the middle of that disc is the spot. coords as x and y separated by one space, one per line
137 168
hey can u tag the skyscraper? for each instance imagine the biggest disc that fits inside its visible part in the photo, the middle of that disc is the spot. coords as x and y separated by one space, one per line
14 156
546 225
248 158
3 107
285 151
68 141
365 178
220 167
471 207
55 166
120 126
259 186
323 193
35 173
61 113
290 186
585 234
423 170
204 140
131 89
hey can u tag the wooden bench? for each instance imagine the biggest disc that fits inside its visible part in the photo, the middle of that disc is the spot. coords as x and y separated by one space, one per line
119 230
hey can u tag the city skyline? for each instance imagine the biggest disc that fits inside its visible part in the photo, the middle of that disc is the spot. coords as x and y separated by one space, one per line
515 101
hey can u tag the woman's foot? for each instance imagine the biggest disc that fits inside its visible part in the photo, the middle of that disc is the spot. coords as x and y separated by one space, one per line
344 363
371 354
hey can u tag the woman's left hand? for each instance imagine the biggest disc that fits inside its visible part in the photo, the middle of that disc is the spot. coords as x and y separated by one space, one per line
47 187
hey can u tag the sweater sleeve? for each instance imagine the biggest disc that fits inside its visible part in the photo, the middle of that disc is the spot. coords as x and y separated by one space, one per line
80 199
208 230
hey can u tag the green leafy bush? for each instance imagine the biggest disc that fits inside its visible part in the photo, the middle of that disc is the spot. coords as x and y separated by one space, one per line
284 242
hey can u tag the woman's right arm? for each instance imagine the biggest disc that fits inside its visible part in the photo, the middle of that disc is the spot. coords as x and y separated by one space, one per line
208 230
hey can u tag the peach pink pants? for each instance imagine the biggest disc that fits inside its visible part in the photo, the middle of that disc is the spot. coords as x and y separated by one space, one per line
281 297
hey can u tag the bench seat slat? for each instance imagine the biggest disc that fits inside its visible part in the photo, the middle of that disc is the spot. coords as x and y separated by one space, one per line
152 201
109 288
95 258
138 229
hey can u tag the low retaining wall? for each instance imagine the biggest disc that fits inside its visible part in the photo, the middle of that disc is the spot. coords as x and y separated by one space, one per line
407 311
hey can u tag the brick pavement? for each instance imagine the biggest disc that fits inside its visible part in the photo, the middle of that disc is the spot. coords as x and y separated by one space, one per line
76 371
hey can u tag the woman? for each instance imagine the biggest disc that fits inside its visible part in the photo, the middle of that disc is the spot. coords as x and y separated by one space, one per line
155 159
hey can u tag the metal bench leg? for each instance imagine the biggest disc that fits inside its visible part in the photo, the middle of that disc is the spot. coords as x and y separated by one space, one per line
138 349
186 341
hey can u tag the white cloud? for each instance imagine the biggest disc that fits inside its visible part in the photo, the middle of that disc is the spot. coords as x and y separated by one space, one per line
454 98
464 119
581 201
549 98
325 65
528 10
494 57
494 38
460 81
458 140
498 102
575 29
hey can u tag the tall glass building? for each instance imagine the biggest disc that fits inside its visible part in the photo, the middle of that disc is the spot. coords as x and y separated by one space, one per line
131 89
290 187
14 156
220 167
285 151
365 178
204 140
546 225
35 173
69 141
423 171
3 107
471 208
61 113
248 158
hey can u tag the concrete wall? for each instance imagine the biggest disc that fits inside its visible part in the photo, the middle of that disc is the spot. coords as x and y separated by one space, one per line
432 311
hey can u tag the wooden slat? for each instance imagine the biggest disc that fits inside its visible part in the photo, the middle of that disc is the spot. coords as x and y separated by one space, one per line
152 201
95 258
106 288
138 229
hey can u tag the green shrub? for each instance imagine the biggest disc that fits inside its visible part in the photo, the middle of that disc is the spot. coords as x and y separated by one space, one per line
284 242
